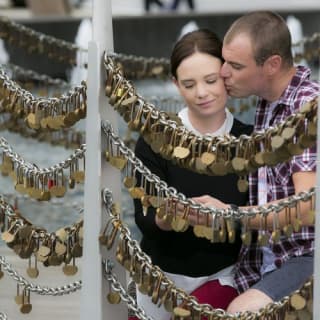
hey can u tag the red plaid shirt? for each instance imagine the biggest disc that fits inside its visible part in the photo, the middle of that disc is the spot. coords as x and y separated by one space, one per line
279 181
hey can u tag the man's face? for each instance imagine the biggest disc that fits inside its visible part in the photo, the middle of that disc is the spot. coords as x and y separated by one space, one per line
242 76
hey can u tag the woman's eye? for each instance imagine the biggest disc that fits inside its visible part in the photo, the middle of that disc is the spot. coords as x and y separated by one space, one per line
211 81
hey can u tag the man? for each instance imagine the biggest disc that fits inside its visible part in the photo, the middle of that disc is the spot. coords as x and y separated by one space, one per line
258 61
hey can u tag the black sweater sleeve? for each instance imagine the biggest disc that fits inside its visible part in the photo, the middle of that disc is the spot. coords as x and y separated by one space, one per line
157 166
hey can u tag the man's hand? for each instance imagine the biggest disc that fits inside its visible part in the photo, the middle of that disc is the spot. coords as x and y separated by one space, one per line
195 218
209 201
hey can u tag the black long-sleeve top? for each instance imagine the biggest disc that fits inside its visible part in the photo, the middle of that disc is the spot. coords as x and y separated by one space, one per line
183 252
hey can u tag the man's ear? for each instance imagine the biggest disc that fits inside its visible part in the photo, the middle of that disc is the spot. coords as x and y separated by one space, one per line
273 64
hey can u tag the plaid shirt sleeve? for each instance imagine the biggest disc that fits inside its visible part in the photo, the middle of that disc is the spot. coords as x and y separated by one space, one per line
248 267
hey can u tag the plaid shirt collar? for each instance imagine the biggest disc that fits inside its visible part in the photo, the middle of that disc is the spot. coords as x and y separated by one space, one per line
302 74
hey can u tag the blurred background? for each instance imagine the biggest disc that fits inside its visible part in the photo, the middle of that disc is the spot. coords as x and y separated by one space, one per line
140 29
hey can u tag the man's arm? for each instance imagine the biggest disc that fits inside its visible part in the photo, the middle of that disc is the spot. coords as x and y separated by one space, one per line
302 181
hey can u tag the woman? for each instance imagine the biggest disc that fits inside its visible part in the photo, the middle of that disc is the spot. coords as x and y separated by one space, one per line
198 266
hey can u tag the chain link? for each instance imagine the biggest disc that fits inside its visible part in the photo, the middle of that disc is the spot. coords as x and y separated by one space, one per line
28 99
125 296
10 212
3 316
32 168
77 206
35 41
31 74
41 290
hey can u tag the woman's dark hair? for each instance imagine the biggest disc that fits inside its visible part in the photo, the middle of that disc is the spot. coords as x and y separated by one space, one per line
202 40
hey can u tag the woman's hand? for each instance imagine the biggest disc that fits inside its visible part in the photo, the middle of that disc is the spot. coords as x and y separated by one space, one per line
163 224
195 218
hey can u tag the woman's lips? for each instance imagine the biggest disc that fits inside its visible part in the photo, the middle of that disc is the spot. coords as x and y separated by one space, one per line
205 104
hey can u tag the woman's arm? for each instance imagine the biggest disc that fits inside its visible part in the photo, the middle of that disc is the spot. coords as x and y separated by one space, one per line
148 223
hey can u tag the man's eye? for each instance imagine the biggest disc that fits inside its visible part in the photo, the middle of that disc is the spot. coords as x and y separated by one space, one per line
237 66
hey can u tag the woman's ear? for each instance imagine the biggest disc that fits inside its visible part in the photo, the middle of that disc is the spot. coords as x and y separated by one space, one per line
175 81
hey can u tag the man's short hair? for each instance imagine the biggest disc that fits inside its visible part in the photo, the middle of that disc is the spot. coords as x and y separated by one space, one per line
269 35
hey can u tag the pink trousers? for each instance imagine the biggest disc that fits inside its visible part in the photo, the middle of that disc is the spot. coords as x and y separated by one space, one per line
212 293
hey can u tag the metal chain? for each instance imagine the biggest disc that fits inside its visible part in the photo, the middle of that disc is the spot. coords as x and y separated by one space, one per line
138 59
205 309
39 233
31 74
35 41
125 296
66 137
181 198
41 290
137 67
6 207
55 201
167 103
32 168
163 118
171 104
147 62
9 211
3 316
28 99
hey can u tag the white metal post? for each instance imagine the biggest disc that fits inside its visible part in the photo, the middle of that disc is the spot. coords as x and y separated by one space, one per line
98 175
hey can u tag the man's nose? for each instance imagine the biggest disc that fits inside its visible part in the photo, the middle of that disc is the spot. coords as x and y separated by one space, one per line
225 71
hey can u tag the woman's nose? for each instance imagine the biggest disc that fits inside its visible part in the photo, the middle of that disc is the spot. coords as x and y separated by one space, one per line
201 91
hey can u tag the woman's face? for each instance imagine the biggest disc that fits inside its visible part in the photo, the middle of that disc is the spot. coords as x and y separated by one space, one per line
199 83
